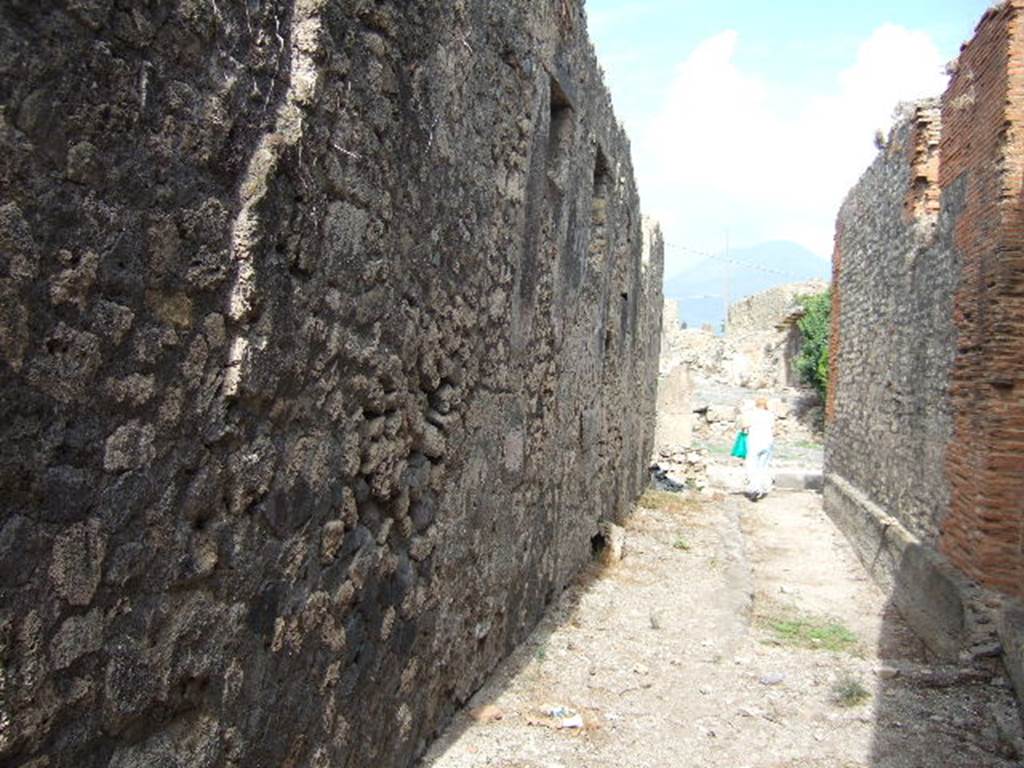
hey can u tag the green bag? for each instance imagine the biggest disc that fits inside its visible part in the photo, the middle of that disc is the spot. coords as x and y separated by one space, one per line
739 448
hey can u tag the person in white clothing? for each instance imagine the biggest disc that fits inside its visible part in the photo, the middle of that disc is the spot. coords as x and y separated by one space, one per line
760 426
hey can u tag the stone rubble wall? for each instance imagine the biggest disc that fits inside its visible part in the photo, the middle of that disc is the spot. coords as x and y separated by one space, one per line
329 337
892 422
758 349
765 310
923 455
692 347
763 329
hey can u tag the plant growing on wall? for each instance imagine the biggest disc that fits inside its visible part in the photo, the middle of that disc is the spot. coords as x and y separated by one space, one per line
815 325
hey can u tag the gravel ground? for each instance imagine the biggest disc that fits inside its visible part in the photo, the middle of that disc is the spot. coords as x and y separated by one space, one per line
731 635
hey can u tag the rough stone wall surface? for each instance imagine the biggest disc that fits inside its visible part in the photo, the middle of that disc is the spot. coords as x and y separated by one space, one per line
891 421
674 425
328 337
982 160
835 341
676 342
670 321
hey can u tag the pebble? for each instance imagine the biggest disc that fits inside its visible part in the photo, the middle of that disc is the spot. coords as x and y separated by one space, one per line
887 673
576 721
773 678
988 650
487 714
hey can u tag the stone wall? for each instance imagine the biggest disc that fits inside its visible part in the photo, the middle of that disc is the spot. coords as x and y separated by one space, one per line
765 336
676 341
892 421
923 467
328 337
763 311
758 349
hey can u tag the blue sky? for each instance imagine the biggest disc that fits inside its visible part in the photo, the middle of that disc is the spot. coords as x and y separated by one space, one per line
754 118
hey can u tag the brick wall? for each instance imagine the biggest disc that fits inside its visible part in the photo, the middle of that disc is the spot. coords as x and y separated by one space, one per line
983 150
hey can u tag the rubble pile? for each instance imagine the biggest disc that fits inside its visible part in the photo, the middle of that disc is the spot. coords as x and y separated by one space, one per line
681 468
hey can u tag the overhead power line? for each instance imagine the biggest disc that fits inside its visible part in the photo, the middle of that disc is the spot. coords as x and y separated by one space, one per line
736 262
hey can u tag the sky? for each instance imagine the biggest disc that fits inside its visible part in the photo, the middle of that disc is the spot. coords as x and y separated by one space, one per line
750 120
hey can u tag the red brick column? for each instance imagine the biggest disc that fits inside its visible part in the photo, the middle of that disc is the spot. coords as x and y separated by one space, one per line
923 198
983 149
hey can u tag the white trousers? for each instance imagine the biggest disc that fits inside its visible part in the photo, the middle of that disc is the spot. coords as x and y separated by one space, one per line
759 473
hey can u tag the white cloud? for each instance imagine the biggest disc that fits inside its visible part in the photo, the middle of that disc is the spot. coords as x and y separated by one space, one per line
728 149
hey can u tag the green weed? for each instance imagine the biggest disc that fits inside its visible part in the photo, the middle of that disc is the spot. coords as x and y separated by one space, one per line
541 653
849 692
816 633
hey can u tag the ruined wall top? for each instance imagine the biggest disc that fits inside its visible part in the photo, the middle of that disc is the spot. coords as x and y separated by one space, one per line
763 311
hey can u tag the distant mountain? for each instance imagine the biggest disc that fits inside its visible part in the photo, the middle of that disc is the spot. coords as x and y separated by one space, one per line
700 289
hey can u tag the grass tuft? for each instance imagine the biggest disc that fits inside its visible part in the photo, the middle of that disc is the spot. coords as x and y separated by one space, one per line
541 653
813 632
849 692
681 544
666 500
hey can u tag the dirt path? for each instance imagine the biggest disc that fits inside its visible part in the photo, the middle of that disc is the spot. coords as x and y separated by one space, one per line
732 635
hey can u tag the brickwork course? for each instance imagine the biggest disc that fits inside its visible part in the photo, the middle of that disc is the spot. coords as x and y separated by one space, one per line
983 149
329 338
925 448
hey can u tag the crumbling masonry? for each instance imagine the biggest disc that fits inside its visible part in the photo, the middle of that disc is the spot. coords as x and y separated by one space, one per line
328 337
925 450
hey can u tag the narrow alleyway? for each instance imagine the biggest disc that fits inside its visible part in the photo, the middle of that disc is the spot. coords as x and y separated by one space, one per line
731 635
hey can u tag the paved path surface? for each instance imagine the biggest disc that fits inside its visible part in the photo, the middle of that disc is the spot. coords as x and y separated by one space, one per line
732 635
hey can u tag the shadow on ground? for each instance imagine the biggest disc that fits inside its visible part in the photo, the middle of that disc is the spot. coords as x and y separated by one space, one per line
480 706
928 713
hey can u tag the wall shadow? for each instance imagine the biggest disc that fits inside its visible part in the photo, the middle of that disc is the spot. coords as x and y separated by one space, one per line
933 713
561 611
